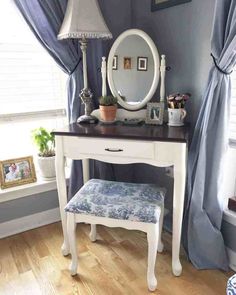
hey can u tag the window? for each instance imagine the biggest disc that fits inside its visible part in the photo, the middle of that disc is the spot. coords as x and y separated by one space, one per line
233 109
32 86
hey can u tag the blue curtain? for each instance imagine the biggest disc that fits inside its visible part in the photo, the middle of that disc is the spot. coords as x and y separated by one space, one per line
208 149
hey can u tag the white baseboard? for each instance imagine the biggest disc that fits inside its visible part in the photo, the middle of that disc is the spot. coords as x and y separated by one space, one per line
22 224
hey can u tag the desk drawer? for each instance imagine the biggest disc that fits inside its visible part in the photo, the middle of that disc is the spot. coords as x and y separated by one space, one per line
108 147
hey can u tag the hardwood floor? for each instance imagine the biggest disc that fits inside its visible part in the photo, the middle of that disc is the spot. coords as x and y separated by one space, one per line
31 263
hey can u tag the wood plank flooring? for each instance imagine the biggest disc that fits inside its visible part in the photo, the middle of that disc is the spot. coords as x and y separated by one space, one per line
31 264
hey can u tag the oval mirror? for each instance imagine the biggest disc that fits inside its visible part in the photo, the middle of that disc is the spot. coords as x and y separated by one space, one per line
133 69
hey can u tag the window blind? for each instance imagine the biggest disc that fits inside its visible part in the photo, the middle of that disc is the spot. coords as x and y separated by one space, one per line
29 79
232 129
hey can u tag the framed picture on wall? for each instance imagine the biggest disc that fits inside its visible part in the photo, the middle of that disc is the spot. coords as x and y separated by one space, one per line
18 171
115 62
161 4
142 63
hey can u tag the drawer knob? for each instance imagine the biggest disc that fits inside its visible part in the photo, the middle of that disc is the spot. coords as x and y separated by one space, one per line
113 150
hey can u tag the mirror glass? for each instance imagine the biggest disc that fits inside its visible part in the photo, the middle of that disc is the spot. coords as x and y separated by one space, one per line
133 69
134 72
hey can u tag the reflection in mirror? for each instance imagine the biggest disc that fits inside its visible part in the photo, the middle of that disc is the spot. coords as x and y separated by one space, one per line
133 69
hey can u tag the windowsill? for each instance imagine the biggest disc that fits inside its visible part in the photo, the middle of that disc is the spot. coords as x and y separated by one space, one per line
30 189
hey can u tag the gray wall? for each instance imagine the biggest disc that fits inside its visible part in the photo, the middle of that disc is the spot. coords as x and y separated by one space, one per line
182 33
228 230
117 14
28 205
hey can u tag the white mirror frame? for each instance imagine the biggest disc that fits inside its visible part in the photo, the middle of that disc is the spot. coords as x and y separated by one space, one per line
156 76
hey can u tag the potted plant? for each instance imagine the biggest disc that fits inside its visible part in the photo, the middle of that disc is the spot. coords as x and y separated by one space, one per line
45 142
108 108
176 111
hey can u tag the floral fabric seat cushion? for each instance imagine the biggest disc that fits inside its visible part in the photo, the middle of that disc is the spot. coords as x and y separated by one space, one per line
231 286
119 200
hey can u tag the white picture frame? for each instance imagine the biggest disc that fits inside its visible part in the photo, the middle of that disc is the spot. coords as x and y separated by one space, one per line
155 113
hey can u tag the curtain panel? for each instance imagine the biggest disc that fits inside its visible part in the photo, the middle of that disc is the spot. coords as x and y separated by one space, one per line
209 146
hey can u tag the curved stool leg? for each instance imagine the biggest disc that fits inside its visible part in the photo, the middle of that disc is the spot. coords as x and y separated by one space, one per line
71 230
93 233
152 237
160 243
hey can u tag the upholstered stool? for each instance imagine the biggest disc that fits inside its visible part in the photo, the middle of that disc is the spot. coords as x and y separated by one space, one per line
118 204
231 286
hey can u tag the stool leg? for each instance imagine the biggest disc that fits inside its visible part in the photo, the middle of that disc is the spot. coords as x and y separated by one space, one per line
152 237
160 243
71 230
93 233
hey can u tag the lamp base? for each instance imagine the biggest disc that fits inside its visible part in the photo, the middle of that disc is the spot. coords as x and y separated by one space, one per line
85 119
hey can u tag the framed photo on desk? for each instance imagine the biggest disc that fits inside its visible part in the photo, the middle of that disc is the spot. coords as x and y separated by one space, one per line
155 113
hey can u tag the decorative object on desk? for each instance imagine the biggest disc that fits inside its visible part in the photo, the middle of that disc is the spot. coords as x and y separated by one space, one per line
115 62
108 108
177 100
176 112
127 63
161 4
142 63
83 20
16 172
176 117
45 142
155 112
133 121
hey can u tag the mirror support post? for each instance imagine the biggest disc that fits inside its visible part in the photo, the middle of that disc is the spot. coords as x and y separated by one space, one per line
104 76
163 75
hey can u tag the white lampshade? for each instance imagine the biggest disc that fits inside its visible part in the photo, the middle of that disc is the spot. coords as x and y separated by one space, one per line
83 19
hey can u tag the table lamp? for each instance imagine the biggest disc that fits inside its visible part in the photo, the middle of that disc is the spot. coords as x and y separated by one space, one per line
83 20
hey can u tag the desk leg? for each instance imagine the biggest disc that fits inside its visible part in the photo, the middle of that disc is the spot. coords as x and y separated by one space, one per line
178 205
62 192
86 177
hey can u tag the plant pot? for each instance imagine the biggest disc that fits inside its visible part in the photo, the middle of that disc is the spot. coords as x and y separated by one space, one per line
47 167
176 117
108 113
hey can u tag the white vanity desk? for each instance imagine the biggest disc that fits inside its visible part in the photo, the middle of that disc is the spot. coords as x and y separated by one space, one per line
159 146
